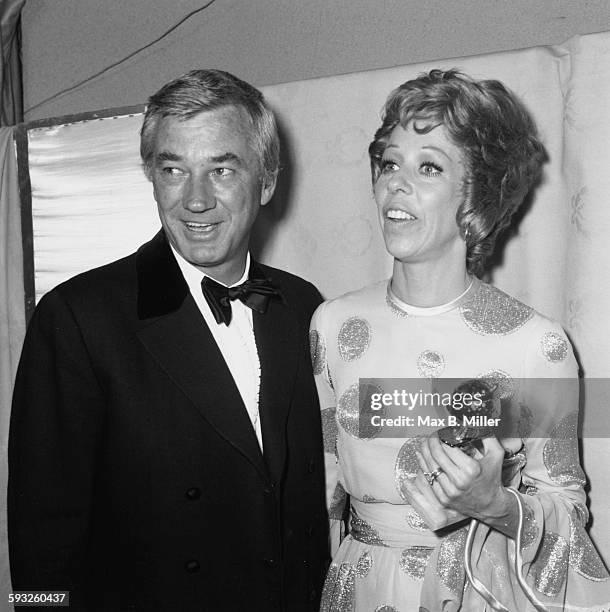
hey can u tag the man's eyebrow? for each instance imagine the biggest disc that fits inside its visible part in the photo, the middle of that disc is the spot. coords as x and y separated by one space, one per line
164 156
167 156
226 157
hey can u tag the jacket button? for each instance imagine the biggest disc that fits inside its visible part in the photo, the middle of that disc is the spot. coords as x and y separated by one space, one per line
193 494
270 562
313 595
309 530
192 566
311 466
269 488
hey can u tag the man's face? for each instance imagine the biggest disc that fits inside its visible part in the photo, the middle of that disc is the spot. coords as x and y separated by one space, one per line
207 182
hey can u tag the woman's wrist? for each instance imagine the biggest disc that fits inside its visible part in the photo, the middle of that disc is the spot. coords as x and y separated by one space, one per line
502 513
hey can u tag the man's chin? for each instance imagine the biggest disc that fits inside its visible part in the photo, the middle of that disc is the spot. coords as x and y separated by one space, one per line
199 254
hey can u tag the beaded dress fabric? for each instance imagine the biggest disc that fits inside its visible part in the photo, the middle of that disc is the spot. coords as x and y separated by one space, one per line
390 561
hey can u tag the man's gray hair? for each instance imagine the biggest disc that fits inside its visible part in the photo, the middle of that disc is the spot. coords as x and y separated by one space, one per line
204 90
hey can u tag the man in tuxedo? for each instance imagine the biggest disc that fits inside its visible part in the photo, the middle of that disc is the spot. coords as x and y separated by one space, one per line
165 448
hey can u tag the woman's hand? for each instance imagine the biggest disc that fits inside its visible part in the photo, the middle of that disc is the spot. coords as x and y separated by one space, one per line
425 502
470 486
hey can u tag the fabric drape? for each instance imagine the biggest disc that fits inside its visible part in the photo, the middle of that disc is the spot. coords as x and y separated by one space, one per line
12 316
11 108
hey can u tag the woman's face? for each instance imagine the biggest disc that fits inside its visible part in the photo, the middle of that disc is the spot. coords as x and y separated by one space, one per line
418 193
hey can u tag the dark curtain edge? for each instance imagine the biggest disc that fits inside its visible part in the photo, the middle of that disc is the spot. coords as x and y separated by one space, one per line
27 232
11 73
121 111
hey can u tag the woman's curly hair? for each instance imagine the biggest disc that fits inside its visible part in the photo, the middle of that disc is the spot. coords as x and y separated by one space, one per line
497 136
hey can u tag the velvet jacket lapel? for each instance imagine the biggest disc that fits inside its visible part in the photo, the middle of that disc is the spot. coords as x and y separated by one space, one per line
172 330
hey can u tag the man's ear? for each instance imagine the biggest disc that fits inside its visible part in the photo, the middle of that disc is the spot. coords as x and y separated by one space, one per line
268 187
146 168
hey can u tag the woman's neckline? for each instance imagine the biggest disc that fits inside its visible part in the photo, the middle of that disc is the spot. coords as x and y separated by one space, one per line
430 311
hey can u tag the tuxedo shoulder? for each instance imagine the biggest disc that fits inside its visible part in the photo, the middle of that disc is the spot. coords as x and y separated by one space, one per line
296 290
115 281
101 279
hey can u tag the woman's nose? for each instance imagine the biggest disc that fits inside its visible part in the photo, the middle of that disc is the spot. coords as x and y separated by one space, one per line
199 195
399 181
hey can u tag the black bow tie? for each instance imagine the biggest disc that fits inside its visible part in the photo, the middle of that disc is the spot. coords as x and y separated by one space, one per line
254 293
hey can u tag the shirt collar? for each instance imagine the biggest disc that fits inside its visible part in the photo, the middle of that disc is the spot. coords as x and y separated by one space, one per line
193 275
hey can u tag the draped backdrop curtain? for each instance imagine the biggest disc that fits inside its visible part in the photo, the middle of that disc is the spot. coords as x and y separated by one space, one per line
12 317
91 204
11 101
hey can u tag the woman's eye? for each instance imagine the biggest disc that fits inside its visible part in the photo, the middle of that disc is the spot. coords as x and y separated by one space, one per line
430 169
388 166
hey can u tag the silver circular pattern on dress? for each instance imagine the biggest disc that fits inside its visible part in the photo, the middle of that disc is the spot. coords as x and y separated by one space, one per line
330 429
354 338
583 558
503 383
560 453
364 532
347 410
549 567
450 564
407 465
337 504
490 311
430 364
386 608
364 565
369 499
354 413
343 596
318 352
554 347
414 560
415 521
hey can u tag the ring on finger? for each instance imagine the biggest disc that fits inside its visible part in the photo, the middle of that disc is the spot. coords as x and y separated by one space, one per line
432 476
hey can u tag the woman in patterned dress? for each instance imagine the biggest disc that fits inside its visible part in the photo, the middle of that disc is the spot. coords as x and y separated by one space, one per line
451 162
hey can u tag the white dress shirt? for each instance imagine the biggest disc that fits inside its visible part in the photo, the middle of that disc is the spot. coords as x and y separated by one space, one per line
236 341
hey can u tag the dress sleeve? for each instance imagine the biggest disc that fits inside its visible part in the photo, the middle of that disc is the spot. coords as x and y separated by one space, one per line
336 497
55 432
560 562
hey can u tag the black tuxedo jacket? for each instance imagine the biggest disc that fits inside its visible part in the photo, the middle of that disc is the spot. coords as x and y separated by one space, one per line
135 477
